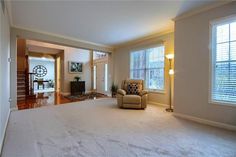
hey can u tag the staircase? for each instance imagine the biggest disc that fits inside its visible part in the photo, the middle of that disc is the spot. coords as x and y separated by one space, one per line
21 86
24 86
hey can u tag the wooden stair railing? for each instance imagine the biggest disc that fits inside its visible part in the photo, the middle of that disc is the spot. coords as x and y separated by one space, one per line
29 80
30 83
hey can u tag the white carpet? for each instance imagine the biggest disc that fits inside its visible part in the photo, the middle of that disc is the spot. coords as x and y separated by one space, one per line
97 128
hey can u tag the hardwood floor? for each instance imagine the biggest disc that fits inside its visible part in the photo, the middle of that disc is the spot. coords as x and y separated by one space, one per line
52 98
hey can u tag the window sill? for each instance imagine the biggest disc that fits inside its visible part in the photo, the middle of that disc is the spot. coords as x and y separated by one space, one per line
227 104
156 91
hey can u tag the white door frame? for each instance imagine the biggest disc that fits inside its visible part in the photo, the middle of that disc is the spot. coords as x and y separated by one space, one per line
104 61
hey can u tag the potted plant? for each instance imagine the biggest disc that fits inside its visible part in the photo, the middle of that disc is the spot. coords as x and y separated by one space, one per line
77 78
113 89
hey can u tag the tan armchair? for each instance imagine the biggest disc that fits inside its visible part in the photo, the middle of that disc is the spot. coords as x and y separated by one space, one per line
137 101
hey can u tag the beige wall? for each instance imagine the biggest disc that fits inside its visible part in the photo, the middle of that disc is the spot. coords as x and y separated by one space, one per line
192 62
122 63
78 55
4 73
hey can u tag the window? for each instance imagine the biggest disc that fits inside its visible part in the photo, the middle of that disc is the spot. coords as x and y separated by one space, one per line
99 55
106 77
94 77
224 62
148 65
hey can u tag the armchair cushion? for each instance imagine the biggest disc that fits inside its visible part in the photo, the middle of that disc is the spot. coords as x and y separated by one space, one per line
132 99
121 92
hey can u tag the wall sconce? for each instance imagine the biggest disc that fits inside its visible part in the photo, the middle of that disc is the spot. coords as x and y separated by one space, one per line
170 57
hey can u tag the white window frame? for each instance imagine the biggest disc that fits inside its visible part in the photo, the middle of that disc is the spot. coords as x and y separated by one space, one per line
94 77
212 48
106 76
145 48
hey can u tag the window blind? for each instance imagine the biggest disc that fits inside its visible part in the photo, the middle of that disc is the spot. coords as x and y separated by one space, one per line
224 63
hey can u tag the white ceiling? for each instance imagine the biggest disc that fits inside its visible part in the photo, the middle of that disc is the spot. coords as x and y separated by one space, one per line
108 22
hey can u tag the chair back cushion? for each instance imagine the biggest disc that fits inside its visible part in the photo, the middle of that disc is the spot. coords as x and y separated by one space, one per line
133 86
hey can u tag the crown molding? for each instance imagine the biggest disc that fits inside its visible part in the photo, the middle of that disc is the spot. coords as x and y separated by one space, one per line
64 37
142 39
201 9
9 12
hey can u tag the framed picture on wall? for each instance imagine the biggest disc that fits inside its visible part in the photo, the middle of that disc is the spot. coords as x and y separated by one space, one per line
75 67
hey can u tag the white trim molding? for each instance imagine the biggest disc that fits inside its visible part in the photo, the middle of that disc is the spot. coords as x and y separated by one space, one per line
145 38
157 103
207 122
4 131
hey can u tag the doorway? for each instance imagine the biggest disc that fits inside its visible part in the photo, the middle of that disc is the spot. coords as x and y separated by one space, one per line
100 72
101 77
44 74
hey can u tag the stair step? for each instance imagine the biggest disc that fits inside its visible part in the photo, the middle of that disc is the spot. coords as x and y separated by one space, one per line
20 99
20 82
20 74
20 88
20 94
21 71
20 85
21 78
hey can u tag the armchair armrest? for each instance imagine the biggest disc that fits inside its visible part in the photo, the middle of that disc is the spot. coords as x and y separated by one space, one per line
143 92
121 92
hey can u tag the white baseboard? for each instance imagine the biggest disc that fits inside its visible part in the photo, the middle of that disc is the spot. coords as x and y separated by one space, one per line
207 122
13 109
156 103
4 131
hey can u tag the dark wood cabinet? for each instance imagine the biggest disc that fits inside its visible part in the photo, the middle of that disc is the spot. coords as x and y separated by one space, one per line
77 88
